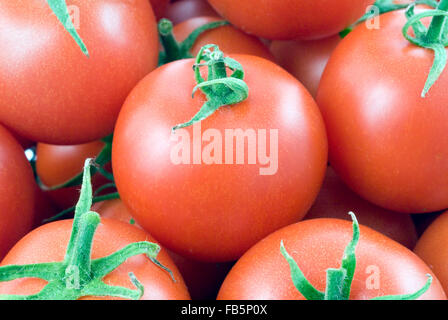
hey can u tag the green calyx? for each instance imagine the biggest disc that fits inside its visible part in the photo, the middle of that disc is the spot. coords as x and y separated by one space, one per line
174 50
339 280
78 275
384 6
434 38
59 7
219 88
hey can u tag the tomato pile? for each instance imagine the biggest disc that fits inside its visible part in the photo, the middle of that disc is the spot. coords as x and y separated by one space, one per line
223 149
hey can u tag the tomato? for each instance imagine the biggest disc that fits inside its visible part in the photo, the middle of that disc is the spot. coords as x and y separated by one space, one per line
335 200
432 248
215 212
183 10
293 19
228 38
16 192
159 7
387 142
383 266
56 165
77 99
202 279
48 243
44 207
306 60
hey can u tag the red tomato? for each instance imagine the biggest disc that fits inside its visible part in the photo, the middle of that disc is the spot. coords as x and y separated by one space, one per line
16 192
50 91
335 200
202 279
44 207
56 165
48 244
183 10
432 248
292 19
159 7
383 267
306 60
216 212
228 38
387 142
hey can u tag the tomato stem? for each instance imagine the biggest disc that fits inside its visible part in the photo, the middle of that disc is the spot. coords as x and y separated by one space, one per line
220 89
78 275
434 38
174 50
339 281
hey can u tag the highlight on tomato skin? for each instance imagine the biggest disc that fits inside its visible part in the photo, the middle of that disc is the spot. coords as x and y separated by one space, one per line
183 10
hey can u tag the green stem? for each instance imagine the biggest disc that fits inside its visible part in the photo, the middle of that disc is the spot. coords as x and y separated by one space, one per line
436 27
174 50
219 88
78 275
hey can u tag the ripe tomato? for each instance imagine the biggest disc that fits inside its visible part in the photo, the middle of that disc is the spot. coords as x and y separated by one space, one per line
77 99
306 60
159 7
183 10
56 165
383 267
228 38
432 248
215 212
293 19
48 244
202 279
387 142
16 192
335 200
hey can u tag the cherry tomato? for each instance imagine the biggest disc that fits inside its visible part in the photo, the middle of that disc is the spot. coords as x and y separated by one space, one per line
306 60
432 248
383 266
51 92
386 142
180 11
215 212
16 192
48 244
56 165
335 200
228 38
293 19
202 279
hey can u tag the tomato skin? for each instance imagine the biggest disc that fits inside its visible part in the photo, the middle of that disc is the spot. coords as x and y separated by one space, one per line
82 96
48 244
292 19
180 11
202 279
228 38
335 200
16 192
216 212
432 248
306 60
159 7
317 245
57 164
386 142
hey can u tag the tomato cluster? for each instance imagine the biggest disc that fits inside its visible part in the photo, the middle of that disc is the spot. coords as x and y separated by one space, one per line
203 149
